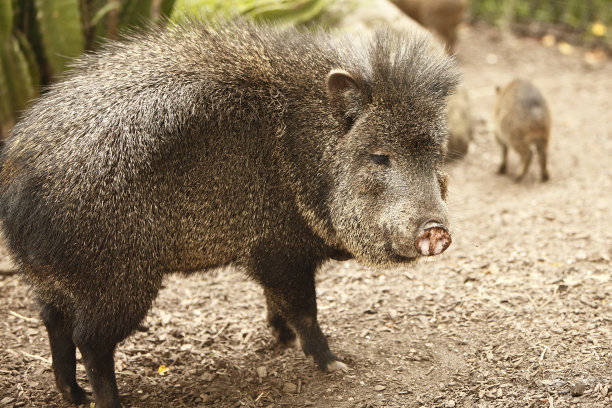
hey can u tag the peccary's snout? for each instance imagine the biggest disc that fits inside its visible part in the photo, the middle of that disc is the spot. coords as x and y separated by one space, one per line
433 239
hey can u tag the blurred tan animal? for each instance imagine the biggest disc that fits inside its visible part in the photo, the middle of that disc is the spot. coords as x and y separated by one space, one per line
368 16
522 119
460 124
440 16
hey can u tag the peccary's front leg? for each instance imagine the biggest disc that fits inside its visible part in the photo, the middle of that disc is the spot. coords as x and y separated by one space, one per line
291 297
504 159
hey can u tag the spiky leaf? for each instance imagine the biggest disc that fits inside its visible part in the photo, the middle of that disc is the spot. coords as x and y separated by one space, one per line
30 56
6 19
289 12
136 13
61 31
6 111
280 11
20 87
103 11
166 8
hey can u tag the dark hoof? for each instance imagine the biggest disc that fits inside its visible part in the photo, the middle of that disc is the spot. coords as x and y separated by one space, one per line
77 395
336 365
328 362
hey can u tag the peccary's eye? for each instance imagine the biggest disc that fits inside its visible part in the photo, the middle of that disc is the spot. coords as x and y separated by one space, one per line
382 159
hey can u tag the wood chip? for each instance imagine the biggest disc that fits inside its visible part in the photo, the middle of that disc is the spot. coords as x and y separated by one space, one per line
289 388
262 372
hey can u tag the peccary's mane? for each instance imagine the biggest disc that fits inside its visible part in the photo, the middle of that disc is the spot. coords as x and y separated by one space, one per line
388 62
411 65
242 70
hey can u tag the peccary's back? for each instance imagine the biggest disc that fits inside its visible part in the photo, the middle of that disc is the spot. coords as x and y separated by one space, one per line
522 108
162 151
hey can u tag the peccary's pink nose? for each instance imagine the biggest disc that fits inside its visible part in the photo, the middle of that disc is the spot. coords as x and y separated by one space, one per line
433 240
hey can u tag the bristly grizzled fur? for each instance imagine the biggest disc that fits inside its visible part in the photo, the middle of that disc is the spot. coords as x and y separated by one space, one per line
194 147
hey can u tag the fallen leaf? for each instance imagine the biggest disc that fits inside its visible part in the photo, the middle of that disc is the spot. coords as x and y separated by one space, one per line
565 48
598 29
548 40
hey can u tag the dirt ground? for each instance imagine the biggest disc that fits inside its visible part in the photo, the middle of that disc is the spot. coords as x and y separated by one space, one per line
515 314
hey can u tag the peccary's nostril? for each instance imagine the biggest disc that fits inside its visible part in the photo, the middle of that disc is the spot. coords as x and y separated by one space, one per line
434 223
433 239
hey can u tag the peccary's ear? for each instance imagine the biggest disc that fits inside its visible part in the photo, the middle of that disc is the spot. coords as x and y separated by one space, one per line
346 97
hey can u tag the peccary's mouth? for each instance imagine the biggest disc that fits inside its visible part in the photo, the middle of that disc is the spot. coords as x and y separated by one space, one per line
394 254
403 259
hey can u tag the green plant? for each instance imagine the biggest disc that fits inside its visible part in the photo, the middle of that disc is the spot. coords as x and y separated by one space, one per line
277 11
586 21
39 38
578 14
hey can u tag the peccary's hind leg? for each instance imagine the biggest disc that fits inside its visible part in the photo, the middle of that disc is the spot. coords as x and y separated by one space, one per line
526 156
63 354
541 147
504 162
290 289
100 366
281 330
108 318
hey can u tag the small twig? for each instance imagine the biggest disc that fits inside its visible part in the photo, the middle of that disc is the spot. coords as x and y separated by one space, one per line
46 360
453 305
8 272
29 319
550 299
586 302
543 353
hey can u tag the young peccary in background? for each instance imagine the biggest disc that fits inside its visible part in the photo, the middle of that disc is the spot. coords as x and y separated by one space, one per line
522 119
194 147
460 124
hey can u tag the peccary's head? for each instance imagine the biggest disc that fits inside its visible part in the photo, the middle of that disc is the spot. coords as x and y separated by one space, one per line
387 201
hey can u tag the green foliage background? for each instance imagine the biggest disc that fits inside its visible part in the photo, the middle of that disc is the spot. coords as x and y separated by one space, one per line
578 15
279 11
38 38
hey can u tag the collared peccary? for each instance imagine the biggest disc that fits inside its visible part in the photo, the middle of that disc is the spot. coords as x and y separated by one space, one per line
441 16
460 124
194 147
522 119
